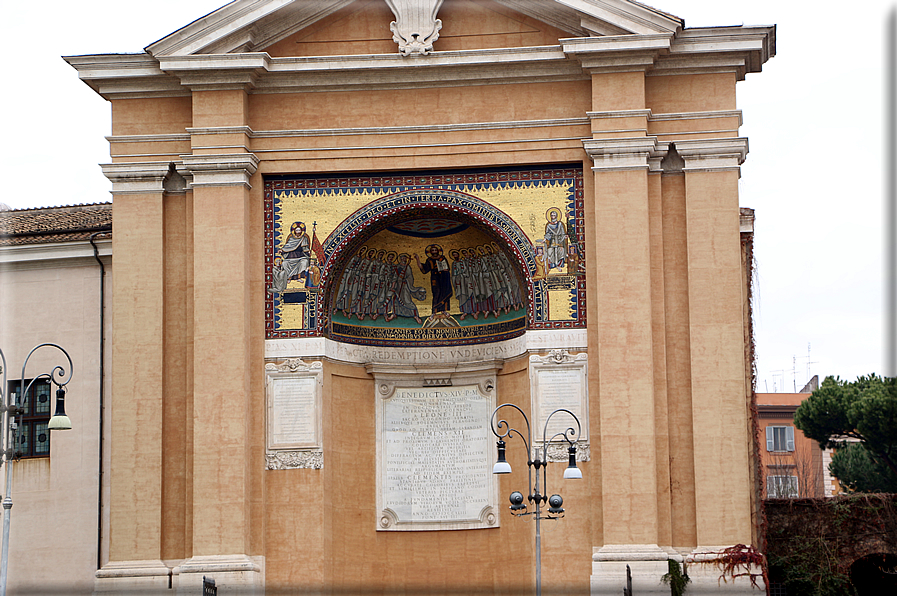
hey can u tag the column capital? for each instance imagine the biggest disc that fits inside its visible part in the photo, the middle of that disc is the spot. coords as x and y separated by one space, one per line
140 177
712 155
233 169
618 154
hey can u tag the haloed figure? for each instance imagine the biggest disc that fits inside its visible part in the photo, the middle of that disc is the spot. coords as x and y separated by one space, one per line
440 277
296 256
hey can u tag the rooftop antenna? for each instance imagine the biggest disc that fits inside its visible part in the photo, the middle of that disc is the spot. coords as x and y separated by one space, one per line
794 372
809 362
776 373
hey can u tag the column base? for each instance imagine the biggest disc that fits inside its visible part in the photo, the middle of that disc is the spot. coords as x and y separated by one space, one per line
648 563
233 575
133 577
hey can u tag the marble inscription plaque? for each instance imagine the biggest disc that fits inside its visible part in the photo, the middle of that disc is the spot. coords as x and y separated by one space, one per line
435 459
560 380
559 388
293 409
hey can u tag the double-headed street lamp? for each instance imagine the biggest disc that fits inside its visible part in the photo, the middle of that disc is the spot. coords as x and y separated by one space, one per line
9 410
536 460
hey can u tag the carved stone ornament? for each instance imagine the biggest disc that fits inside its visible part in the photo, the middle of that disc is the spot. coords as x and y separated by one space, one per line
293 365
290 460
558 357
416 26
557 452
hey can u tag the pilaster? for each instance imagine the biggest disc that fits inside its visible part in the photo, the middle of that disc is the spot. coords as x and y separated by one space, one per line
137 353
624 339
716 332
222 368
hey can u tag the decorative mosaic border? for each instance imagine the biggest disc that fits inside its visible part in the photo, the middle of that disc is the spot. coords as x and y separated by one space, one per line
441 187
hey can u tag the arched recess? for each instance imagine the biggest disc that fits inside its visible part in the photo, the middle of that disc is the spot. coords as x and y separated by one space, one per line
427 214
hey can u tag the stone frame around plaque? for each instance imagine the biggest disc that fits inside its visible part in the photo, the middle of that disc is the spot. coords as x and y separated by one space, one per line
560 368
477 377
300 446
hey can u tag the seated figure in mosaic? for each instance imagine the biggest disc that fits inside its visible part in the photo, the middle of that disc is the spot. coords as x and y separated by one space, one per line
295 258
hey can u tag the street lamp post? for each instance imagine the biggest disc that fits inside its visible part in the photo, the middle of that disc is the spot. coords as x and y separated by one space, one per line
9 410
537 459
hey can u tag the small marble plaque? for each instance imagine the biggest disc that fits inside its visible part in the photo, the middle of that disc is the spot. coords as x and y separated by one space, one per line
293 392
559 380
435 459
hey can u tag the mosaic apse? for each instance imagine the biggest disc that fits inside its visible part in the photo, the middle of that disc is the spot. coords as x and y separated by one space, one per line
424 259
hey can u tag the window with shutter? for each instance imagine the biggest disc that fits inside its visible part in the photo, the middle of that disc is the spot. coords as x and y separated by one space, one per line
780 438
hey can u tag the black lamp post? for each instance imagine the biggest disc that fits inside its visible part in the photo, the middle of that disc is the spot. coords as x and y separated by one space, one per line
536 460
9 410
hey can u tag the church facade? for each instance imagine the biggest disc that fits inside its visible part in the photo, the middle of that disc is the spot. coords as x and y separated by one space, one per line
345 231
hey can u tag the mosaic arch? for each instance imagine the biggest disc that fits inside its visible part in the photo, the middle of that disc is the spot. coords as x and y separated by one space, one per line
425 259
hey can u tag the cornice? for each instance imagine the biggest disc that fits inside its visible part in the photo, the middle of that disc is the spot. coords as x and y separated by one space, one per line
619 114
367 130
617 53
163 138
633 17
117 76
696 116
56 254
246 23
715 49
741 50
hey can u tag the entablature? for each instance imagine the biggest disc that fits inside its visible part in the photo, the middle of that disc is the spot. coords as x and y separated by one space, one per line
719 49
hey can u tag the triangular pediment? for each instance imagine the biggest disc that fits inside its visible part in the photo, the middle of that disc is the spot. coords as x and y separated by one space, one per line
341 25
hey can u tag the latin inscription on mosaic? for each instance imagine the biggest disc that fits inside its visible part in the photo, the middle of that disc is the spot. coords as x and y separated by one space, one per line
435 464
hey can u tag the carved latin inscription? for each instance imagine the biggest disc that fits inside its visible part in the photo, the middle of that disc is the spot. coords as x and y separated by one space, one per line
435 461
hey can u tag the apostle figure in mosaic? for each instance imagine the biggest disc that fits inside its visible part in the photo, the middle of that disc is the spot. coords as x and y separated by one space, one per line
296 256
361 299
440 277
390 286
345 292
377 291
462 285
513 283
555 241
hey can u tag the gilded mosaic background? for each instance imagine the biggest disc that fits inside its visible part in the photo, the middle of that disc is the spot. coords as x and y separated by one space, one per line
424 258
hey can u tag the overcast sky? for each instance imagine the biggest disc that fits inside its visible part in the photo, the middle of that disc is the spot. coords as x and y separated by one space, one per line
815 172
